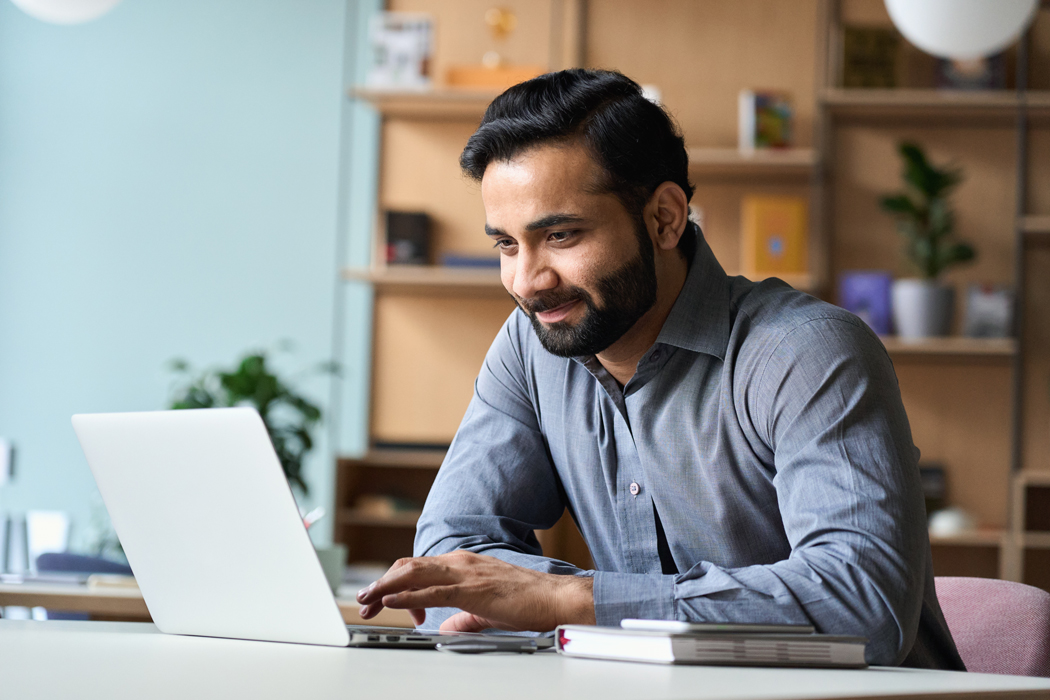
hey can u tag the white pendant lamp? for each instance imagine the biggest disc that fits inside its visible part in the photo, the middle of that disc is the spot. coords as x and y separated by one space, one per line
66 11
962 29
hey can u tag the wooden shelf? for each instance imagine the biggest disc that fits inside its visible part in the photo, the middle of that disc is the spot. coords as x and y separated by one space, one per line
975 538
1035 224
732 162
400 459
952 345
353 516
429 278
435 103
1030 477
1035 540
1036 230
999 105
422 278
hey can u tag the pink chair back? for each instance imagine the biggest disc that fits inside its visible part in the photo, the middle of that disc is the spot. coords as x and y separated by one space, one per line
998 626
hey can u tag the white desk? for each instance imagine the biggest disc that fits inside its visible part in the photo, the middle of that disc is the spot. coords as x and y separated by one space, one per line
120 603
118 660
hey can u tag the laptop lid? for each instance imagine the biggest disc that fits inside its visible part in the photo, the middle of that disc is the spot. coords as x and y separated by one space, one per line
209 525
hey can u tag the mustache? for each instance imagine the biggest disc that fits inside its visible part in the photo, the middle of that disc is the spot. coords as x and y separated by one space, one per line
552 300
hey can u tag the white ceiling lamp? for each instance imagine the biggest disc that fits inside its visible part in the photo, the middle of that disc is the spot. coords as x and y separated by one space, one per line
962 29
66 11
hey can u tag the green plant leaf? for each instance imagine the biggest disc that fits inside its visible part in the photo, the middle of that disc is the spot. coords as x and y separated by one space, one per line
924 215
958 253
898 204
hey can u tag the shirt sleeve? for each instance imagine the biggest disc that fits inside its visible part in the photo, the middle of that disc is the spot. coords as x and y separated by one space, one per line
825 400
497 484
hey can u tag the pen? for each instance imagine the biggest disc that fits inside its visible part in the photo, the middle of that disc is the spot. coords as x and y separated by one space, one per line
474 646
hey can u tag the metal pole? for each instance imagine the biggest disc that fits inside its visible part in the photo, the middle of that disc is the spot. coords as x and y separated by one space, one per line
1019 255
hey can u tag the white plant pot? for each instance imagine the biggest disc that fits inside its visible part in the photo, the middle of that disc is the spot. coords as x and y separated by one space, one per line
922 308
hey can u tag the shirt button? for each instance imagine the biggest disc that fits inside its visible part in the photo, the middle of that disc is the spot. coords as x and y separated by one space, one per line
635 489
655 356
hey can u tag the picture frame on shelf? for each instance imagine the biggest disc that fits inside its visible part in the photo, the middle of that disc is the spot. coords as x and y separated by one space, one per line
989 311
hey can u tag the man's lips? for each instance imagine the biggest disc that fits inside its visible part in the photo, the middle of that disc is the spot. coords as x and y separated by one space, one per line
558 313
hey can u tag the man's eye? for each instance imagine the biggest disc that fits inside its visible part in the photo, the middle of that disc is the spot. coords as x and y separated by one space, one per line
504 243
561 236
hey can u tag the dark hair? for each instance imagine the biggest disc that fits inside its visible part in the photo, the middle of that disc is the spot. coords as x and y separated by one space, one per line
636 143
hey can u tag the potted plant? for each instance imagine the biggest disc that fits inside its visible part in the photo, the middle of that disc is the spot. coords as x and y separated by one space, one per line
923 307
288 416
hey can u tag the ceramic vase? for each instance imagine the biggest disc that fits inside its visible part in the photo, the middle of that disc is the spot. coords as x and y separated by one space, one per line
922 308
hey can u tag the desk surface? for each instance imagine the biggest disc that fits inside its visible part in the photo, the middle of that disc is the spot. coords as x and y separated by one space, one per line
117 660
127 604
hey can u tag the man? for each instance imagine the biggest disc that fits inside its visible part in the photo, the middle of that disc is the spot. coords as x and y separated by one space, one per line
731 450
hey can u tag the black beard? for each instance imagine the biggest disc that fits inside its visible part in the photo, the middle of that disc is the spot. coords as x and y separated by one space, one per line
628 293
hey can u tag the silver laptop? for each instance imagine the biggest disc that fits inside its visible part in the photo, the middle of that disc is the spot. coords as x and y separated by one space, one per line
211 530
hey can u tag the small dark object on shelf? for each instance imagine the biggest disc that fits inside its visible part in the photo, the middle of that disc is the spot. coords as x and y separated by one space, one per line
407 238
869 57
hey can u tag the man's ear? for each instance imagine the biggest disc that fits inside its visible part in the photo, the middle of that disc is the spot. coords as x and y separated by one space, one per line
668 209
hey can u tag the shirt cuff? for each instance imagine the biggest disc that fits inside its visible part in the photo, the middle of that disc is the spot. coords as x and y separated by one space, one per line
643 596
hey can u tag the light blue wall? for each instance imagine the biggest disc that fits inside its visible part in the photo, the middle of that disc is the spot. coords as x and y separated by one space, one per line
169 186
353 305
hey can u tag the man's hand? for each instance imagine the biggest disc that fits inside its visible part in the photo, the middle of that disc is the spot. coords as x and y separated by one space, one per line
490 592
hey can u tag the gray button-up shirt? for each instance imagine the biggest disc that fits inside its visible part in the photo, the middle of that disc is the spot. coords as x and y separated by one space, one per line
764 427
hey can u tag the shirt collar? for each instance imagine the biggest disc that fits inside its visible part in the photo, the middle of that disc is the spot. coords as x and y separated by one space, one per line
699 319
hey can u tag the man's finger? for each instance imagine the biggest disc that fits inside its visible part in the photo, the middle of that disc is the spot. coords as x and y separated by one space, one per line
419 616
419 572
466 622
431 597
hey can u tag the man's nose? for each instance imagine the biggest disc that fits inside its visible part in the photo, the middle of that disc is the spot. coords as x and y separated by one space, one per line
533 274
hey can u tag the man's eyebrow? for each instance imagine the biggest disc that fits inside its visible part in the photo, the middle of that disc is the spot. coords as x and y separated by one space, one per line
545 222
553 220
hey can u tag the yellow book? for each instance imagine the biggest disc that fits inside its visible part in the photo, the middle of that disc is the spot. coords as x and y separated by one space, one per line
775 236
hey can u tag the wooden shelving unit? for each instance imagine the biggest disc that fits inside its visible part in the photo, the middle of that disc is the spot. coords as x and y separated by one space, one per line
432 278
975 538
952 347
966 398
405 474
1030 527
1036 230
429 278
353 516
437 103
732 162
912 104
1035 540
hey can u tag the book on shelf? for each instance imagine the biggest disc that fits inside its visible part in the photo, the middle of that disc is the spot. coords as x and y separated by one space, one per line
720 647
765 120
402 44
483 262
775 236
866 293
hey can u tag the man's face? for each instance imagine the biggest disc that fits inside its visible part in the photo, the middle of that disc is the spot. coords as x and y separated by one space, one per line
578 263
